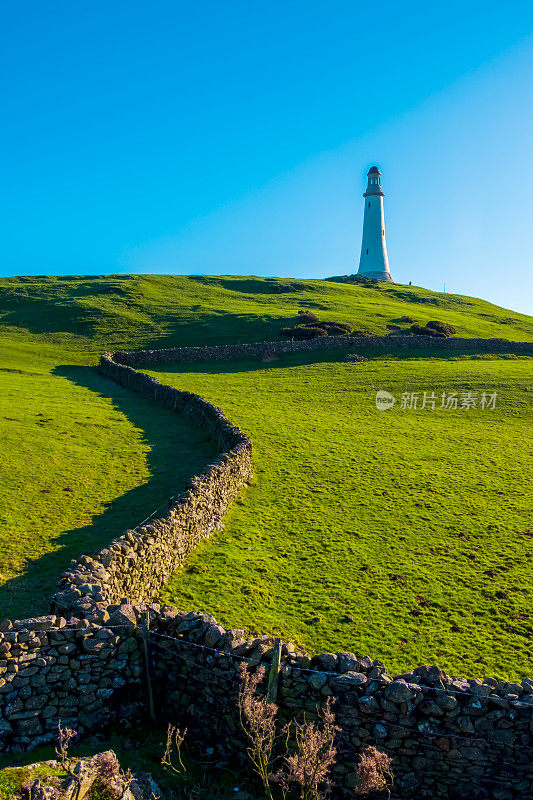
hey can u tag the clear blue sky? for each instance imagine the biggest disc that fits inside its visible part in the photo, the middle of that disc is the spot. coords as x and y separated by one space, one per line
233 137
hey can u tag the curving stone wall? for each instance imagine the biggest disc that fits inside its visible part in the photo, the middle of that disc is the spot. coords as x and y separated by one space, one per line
84 665
137 565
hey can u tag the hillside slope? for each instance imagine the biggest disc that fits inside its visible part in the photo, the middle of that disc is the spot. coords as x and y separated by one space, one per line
91 313
82 459
403 535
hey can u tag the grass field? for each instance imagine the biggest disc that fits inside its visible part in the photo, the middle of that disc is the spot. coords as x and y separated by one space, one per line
81 460
345 498
403 534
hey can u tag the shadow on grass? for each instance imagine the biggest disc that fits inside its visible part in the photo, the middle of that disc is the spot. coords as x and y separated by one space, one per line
114 311
219 327
251 285
58 304
178 450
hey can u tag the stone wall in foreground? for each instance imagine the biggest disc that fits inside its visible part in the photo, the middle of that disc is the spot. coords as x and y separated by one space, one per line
75 672
85 666
460 739
82 665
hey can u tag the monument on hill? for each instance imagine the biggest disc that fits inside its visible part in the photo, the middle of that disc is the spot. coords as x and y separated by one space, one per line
374 262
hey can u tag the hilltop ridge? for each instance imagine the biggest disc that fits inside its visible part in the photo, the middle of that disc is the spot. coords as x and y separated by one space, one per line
91 313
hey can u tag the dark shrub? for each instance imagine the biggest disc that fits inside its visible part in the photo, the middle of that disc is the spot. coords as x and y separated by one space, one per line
307 317
333 328
423 330
311 332
406 319
441 327
312 327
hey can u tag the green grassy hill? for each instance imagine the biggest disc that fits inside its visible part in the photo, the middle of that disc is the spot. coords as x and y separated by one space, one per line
404 535
82 459
87 314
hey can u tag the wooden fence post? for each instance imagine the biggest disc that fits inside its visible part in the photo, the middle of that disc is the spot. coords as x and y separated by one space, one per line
149 665
273 673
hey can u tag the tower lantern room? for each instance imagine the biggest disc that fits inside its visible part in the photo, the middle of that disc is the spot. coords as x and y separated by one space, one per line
374 182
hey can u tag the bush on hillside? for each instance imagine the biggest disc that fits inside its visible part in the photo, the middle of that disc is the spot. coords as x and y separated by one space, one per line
406 319
333 328
307 317
423 330
441 327
433 328
312 327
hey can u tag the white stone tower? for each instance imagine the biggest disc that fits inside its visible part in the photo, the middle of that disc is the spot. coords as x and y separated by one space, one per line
374 262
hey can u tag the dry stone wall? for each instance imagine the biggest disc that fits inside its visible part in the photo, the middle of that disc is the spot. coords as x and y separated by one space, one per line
449 738
260 349
136 566
84 666
77 672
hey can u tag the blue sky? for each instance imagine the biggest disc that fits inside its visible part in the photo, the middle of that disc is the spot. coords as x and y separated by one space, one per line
234 137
